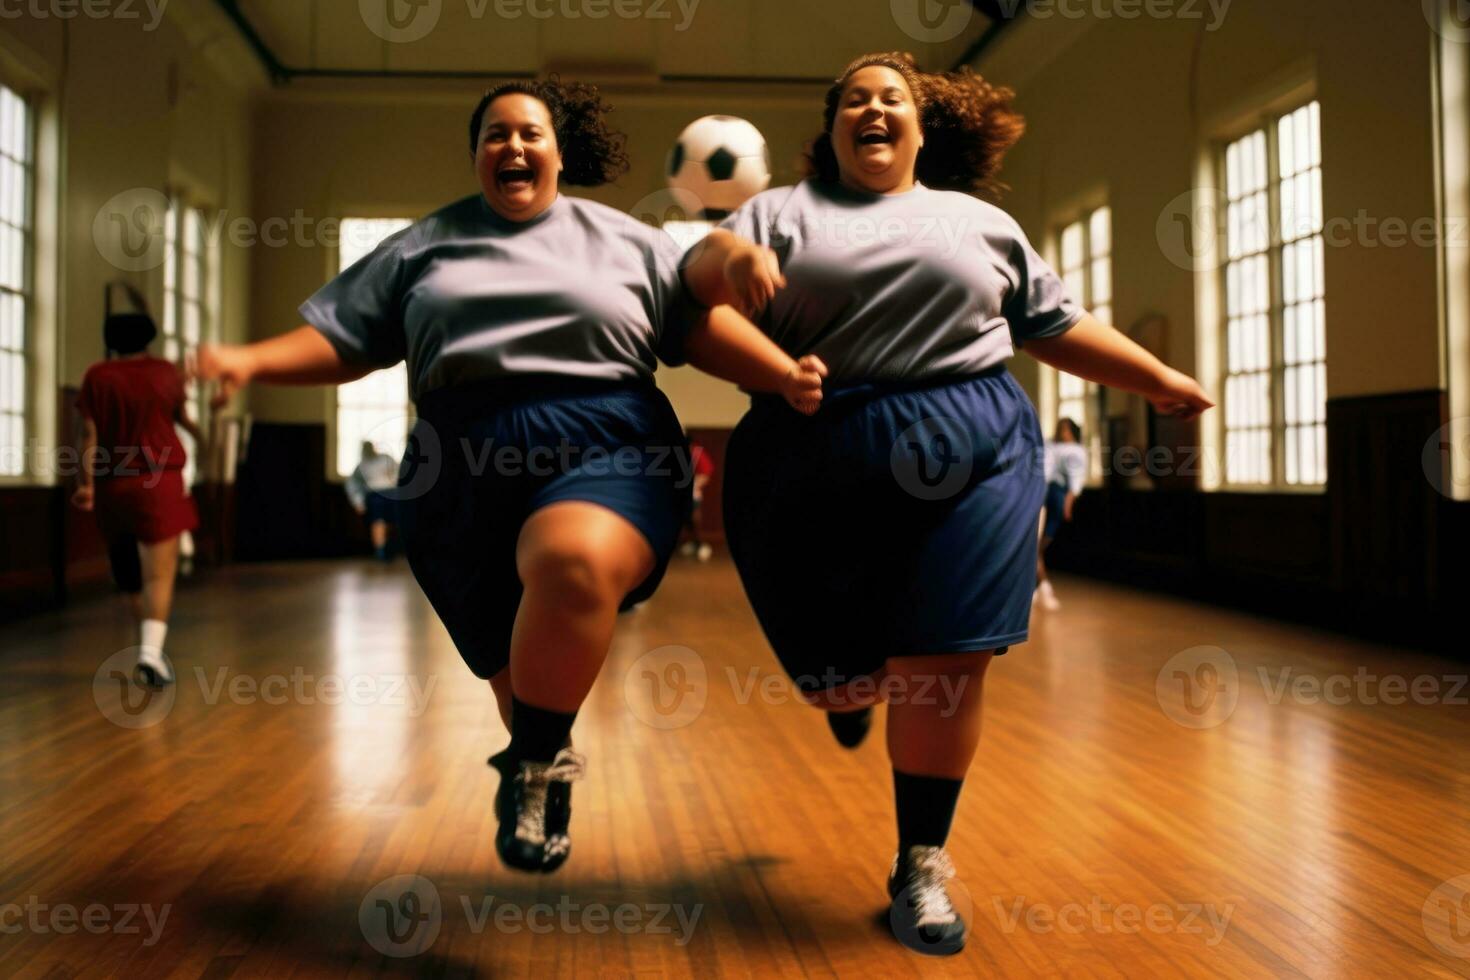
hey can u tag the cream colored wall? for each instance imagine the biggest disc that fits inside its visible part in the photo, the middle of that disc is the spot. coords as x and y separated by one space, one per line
121 109
1122 109
1118 111
327 156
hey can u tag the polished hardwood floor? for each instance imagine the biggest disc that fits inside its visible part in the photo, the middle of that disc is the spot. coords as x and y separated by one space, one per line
1163 789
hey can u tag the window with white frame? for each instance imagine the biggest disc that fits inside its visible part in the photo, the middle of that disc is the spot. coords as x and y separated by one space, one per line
17 188
187 308
374 408
1087 270
1275 320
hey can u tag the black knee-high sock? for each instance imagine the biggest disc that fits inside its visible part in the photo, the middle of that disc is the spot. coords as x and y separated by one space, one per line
926 806
537 734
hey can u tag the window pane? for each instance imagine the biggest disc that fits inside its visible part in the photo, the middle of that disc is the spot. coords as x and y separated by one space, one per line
375 407
11 395
15 192
11 449
10 338
1102 282
12 258
9 141
191 323
11 173
1287 147
359 236
1100 231
1072 247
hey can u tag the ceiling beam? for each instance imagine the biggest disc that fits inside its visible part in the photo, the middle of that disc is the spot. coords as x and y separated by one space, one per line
283 74
1002 14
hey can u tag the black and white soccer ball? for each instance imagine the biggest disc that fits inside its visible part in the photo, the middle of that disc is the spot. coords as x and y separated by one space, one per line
717 164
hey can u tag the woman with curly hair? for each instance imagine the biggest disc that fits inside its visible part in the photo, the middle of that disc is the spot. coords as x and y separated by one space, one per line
546 477
916 489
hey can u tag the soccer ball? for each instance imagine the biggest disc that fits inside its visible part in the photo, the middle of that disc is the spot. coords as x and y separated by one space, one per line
717 164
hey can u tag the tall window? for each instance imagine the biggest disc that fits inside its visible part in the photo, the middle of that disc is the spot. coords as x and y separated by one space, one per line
187 310
1087 271
375 407
1275 323
17 187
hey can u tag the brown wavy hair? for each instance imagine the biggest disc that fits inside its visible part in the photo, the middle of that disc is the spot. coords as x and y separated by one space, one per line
592 153
968 125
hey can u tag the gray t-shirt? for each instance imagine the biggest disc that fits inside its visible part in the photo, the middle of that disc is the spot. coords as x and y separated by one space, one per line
901 286
464 295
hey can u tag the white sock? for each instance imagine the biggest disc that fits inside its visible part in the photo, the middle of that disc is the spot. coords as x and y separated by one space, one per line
153 633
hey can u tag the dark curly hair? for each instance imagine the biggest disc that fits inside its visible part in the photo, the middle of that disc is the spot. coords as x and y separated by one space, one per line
968 125
591 153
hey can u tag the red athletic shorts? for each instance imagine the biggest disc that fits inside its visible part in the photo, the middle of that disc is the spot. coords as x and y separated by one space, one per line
151 507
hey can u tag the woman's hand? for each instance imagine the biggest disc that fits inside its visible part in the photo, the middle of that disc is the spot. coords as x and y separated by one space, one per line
1177 394
84 497
229 367
802 388
752 274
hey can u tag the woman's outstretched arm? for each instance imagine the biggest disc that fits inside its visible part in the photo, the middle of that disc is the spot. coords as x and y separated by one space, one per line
725 268
301 357
1095 351
725 344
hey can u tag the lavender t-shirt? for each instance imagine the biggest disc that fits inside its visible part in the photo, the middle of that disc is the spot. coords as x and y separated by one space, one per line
920 284
464 294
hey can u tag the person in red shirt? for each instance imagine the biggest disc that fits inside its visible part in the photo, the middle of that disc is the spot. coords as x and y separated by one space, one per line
131 477
704 471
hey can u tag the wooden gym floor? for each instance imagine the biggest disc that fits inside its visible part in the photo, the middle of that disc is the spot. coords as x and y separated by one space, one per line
1163 789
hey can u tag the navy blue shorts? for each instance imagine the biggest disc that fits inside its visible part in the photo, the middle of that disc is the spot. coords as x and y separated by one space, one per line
1055 509
900 520
380 507
483 458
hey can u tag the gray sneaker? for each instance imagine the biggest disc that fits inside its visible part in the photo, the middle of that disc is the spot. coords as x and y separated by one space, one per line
534 808
922 916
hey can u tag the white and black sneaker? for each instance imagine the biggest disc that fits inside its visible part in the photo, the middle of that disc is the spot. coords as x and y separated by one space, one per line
921 914
534 808
152 670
